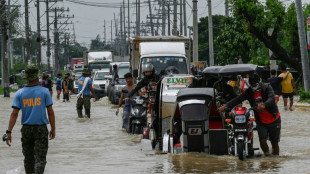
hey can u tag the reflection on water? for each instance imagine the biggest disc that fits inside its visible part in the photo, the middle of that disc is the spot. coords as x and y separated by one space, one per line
98 145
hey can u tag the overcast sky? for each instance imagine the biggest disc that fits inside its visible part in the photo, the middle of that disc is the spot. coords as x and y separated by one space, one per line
89 20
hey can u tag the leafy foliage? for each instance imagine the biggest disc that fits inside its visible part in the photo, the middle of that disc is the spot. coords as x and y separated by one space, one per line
274 25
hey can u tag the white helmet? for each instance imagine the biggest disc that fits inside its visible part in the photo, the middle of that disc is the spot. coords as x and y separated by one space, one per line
147 67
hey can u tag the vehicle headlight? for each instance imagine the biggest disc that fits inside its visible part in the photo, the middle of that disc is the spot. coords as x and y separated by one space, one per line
96 86
139 101
240 119
134 111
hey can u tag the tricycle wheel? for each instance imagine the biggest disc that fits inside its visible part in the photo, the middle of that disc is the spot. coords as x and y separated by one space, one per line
240 147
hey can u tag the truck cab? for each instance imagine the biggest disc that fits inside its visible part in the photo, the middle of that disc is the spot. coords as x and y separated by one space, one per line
161 51
98 60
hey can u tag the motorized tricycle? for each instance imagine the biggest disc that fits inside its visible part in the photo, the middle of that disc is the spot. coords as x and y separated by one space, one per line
239 119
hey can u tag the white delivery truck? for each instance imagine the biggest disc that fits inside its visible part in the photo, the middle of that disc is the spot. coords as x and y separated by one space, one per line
161 51
98 59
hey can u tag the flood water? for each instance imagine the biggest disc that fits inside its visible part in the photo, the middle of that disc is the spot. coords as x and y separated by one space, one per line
98 145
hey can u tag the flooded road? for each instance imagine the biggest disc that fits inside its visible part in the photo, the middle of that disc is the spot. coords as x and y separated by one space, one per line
98 145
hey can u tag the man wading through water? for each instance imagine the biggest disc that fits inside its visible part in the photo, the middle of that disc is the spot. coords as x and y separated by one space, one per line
83 97
267 115
33 100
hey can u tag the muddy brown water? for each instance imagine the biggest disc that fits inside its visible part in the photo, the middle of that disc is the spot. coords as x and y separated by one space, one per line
98 145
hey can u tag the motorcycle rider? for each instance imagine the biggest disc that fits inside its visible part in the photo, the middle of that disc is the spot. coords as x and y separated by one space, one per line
150 82
149 78
267 115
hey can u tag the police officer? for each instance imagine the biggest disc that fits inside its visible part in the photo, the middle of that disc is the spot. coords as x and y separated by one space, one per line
33 100
84 90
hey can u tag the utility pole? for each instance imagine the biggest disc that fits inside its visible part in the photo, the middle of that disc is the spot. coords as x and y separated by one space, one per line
303 45
10 56
115 26
48 42
151 19
74 37
185 23
104 34
128 20
124 38
181 19
195 31
121 24
5 60
138 17
175 20
38 36
27 32
56 43
163 17
111 33
211 52
168 11
226 8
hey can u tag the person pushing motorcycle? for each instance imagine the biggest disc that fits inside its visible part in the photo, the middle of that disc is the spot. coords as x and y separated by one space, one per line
261 96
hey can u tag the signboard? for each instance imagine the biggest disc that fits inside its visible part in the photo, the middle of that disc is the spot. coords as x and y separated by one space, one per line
178 81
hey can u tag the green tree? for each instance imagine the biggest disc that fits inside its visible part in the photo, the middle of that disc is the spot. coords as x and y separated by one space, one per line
259 18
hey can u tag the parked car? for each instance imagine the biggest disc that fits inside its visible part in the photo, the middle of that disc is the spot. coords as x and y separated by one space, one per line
117 83
100 82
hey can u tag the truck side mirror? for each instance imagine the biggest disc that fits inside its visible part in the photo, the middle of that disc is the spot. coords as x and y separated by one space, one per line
135 73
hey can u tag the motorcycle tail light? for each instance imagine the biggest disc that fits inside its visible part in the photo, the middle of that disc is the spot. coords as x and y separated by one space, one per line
227 120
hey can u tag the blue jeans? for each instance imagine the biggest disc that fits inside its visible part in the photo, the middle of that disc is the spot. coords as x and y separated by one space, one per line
126 119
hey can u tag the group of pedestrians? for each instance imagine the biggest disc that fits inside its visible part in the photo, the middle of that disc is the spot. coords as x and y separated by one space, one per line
283 84
64 85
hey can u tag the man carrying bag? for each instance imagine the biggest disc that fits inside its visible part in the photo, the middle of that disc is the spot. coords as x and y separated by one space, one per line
83 97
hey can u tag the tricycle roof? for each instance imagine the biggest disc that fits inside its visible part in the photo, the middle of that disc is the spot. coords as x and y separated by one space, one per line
212 70
237 69
195 92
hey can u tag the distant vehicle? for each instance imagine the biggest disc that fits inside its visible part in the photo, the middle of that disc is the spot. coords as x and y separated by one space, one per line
98 59
161 51
78 67
117 82
100 82
75 61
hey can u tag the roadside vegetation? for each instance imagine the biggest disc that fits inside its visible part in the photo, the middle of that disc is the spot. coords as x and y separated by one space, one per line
2 90
304 96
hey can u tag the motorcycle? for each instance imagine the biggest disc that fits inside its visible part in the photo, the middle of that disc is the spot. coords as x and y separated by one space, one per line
241 136
138 114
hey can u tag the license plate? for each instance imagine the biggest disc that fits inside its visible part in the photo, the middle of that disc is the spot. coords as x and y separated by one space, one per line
240 130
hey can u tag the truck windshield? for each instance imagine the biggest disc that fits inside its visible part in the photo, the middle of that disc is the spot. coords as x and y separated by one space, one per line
98 66
161 63
122 71
100 75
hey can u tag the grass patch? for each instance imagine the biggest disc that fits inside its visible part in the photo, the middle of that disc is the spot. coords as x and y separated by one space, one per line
304 96
2 90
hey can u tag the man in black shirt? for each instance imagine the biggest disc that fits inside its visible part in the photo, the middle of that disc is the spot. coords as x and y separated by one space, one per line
275 83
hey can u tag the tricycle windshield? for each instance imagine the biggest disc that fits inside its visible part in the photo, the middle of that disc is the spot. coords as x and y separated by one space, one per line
161 63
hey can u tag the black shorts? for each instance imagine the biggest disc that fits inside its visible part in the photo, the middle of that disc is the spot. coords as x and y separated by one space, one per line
271 131
287 95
